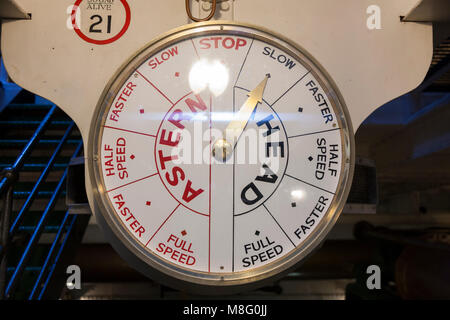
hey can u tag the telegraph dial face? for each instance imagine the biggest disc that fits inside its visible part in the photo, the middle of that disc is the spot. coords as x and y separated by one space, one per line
221 155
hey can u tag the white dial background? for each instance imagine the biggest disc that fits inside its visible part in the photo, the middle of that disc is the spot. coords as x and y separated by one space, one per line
193 215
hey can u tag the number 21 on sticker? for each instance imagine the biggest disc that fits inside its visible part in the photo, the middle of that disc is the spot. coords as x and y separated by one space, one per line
96 20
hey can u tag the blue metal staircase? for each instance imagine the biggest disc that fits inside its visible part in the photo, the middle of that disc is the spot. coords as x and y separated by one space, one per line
38 235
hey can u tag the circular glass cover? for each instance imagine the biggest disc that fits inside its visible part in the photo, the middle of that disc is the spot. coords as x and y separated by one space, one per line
221 153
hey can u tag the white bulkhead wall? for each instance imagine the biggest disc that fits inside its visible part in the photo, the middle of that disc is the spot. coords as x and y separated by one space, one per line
369 66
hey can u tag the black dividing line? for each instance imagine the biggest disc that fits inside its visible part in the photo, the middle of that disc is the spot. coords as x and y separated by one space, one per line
243 63
291 88
234 98
317 132
308 183
278 224
234 163
237 87
195 49
234 159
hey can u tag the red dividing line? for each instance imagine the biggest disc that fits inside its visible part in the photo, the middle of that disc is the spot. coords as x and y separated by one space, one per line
155 155
210 164
156 88
176 104
127 184
131 131
162 225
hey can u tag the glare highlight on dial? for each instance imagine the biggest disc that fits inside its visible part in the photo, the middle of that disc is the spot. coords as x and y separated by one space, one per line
297 194
205 74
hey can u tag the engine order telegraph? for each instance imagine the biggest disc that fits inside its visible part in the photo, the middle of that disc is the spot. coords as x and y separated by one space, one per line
221 155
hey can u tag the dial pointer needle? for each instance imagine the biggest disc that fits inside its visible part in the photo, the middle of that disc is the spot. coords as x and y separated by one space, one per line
225 146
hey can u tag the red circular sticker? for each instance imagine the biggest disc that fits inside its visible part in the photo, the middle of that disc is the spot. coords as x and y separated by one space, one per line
97 20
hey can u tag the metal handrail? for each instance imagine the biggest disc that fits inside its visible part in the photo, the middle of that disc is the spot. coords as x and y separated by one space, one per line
7 208
7 182
58 255
9 177
33 122
50 255
11 173
39 182
14 227
15 142
13 282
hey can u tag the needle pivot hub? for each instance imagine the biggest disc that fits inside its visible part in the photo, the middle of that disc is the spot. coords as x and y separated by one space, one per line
222 150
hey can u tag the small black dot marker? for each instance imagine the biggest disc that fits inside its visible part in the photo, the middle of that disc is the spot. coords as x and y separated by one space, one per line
300 109
256 233
310 158
293 204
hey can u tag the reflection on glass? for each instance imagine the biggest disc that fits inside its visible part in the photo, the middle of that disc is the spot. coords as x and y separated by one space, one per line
297 194
205 74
